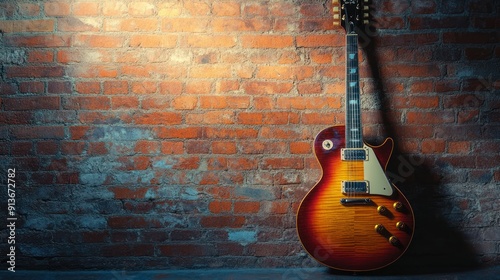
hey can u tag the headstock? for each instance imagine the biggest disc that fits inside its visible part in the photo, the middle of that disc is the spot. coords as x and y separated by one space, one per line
351 14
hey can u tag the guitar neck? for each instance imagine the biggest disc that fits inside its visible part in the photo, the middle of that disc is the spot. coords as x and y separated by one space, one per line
353 137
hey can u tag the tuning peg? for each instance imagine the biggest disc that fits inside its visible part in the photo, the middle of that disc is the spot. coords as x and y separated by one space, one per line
335 9
336 1
366 15
366 8
365 22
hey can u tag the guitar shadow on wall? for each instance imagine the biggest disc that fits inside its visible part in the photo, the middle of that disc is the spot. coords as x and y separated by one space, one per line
436 246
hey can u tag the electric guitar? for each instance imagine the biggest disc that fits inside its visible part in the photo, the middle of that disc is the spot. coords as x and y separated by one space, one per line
354 218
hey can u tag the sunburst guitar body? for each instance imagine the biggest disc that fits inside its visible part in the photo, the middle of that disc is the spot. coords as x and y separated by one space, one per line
354 218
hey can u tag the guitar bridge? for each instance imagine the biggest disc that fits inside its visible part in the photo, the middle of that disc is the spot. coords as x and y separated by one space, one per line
355 201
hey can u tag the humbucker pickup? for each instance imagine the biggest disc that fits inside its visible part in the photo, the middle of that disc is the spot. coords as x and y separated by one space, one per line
354 154
355 187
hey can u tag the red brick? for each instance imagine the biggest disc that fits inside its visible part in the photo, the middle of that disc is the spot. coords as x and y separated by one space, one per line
242 164
34 71
114 9
86 9
459 147
16 117
169 148
420 23
416 102
7 88
87 103
211 117
37 56
141 9
275 72
28 9
479 53
222 221
222 102
311 25
309 88
226 9
179 133
115 87
171 87
57 8
22 148
327 40
218 207
144 87
197 147
225 25
31 87
79 132
153 41
283 163
77 25
20 26
406 39
280 207
469 37
414 117
210 71
118 250
128 193
162 118
308 103
300 148
223 147
269 249
405 70
434 146
97 148
256 87
199 87
72 148
187 163
197 8
124 102
246 207
130 222
423 7
266 41
98 41
172 25
192 250
43 41
32 103
208 41
185 102
170 9
88 87
47 148
147 147
38 132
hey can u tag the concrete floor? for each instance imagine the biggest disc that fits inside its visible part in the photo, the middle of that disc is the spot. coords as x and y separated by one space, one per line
491 273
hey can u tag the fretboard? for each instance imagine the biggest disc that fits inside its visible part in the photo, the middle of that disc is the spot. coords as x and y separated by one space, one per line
353 133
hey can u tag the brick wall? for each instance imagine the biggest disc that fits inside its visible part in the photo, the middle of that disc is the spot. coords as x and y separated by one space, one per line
158 134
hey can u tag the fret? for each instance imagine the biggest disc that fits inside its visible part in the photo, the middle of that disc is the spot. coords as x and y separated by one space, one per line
353 111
